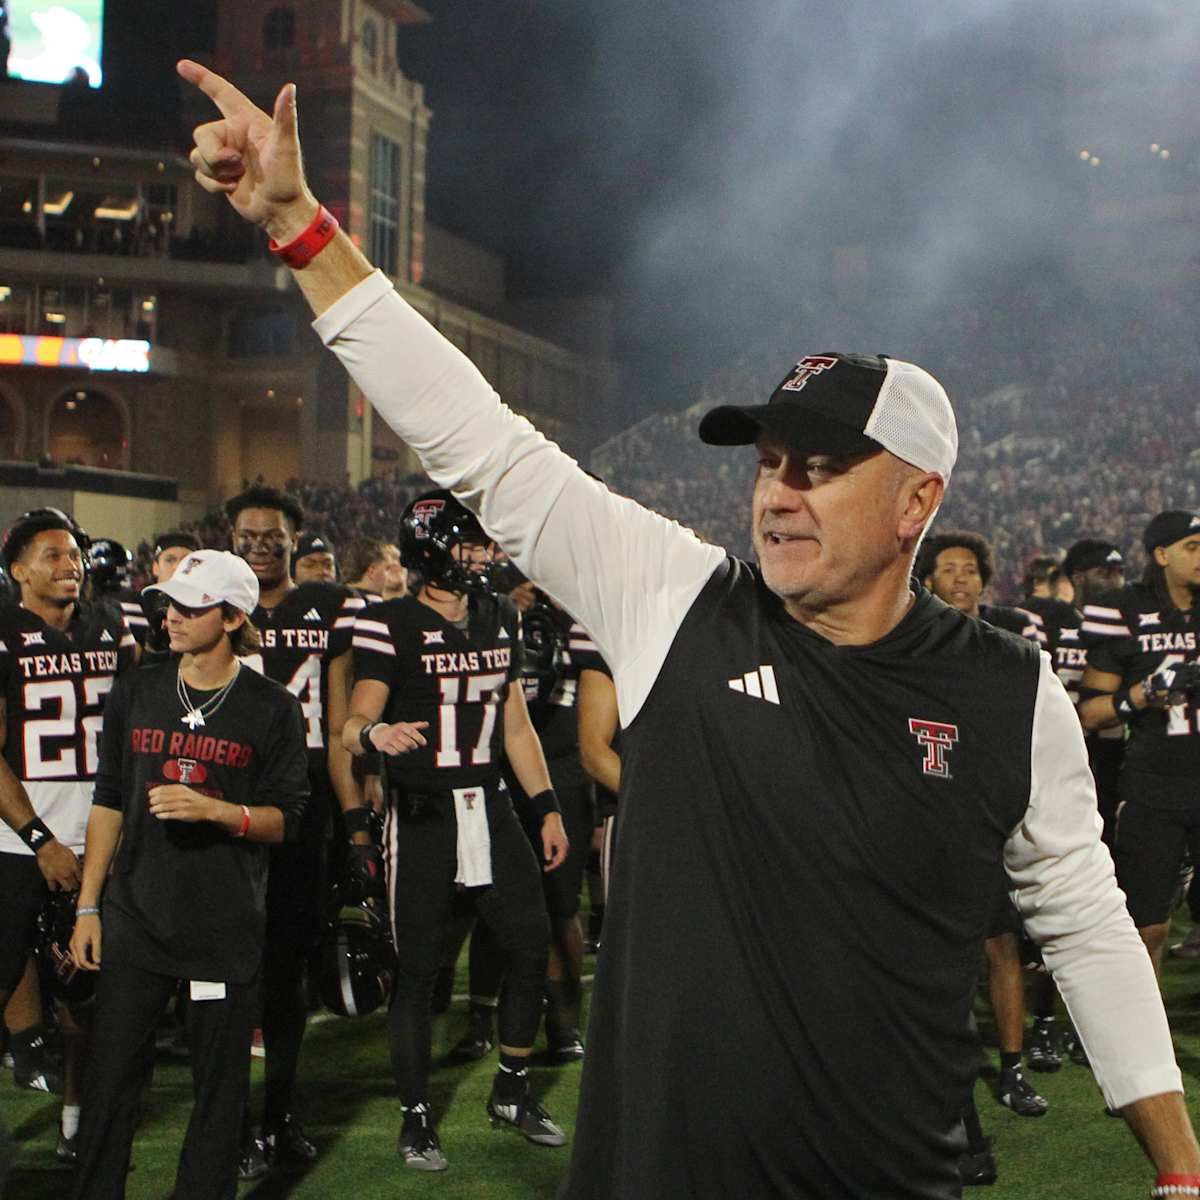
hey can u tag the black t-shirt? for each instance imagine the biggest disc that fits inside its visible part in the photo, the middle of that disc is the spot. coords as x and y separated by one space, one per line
186 899
456 679
1133 632
884 780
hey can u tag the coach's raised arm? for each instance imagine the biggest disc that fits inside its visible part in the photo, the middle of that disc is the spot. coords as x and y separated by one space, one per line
837 761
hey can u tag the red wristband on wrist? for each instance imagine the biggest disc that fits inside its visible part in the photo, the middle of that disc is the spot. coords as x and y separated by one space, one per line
300 251
1173 1179
241 833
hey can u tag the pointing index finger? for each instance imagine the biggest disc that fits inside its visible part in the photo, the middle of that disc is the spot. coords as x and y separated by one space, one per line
217 88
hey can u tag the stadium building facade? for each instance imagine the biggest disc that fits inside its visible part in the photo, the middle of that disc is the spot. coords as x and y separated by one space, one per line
144 330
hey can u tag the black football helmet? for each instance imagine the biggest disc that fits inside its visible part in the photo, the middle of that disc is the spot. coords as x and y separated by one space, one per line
108 565
358 961
432 525
51 948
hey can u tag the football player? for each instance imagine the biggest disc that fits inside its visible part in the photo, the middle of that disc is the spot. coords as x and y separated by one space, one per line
957 566
306 630
1142 674
314 560
59 657
375 569
437 690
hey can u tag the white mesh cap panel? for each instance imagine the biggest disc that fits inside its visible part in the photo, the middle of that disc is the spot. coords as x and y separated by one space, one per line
914 420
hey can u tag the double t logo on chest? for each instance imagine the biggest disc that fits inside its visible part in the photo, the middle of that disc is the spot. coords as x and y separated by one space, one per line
938 739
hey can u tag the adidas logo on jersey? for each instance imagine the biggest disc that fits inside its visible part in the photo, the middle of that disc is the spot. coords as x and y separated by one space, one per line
503 635
312 615
106 636
760 684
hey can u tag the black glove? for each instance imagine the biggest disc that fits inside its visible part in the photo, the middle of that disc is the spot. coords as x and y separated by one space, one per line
1175 679
364 872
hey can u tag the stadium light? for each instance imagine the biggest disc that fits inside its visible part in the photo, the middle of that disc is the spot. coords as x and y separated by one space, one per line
1164 154
112 208
59 205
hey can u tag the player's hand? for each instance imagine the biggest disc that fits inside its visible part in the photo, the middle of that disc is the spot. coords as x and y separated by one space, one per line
177 802
85 942
364 872
399 738
59 867
251 157
554 842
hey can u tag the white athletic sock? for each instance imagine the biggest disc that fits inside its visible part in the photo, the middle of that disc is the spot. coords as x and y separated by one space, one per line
70 1120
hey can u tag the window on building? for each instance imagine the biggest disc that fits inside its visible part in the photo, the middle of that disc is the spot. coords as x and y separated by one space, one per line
384 212
370 44
279 29
262 331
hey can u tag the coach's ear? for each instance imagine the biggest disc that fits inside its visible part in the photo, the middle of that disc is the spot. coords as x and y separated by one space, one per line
921 495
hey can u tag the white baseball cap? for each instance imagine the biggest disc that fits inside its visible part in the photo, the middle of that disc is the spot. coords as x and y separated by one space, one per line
850 404
210 577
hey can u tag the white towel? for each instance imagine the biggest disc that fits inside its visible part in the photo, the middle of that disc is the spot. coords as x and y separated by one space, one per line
474 841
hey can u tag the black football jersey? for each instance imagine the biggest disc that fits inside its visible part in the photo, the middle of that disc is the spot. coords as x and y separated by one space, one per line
1057 625
55 684
555 718
302 634
456 679
1014 620
1131 633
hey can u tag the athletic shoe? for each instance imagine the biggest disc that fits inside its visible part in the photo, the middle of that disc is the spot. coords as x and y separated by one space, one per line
1016 1093
286 1142
253 1162
978 1168
527 1117
1190 946
67 1149
6 1060
1073 1048
566 1047
1042 1051
475 1044
258 1047
39 1076
418 1144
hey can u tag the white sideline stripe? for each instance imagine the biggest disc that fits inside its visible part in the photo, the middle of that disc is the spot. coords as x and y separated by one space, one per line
345 623
371 644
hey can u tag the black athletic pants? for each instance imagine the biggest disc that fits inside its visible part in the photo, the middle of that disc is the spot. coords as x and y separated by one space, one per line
420 844
128 1004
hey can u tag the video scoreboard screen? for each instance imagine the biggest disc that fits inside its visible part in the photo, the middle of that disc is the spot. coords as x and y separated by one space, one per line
51 41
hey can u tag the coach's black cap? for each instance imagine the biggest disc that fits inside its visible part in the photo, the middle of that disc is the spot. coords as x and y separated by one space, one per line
1092 552
849 404
1170 527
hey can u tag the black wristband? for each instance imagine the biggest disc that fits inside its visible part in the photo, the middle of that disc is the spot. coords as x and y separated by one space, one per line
356 820
544 803
364 738
35 835
1123 704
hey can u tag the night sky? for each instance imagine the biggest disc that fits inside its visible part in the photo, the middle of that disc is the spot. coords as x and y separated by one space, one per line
699 161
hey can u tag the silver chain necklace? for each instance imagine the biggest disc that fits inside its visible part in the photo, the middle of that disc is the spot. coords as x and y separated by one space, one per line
193 713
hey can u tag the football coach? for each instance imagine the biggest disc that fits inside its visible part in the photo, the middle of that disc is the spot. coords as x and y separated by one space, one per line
822 767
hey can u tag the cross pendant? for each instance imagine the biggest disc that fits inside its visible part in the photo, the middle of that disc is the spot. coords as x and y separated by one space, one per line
193 719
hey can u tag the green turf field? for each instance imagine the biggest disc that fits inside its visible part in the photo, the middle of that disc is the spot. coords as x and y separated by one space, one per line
1074 1152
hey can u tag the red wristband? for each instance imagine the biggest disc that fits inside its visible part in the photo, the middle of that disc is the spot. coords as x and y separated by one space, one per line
241 833
300 251
1172 1179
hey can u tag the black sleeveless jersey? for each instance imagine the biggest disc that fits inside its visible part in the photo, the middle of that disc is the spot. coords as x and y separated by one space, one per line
1132 632
302 634
456 679
55 684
